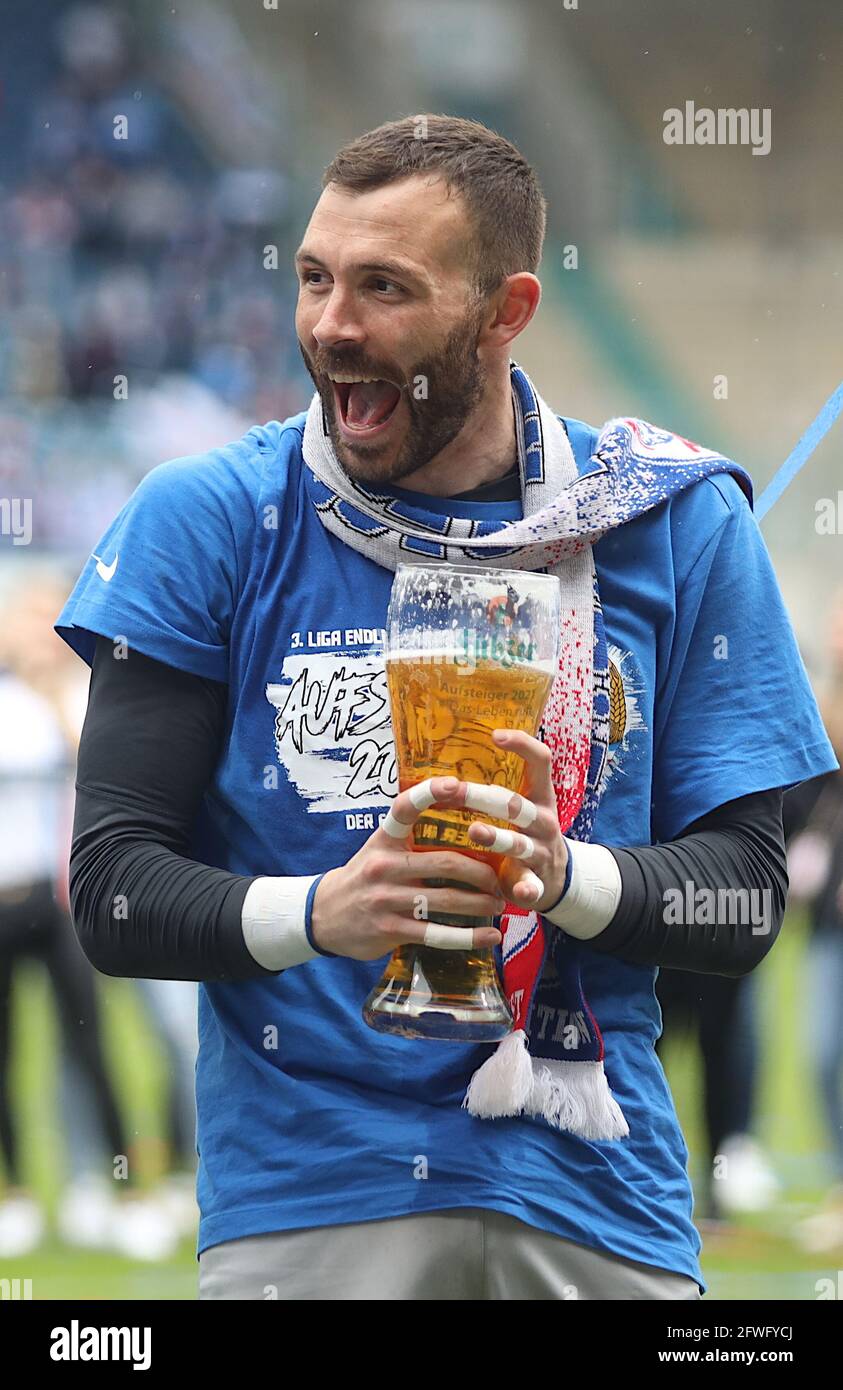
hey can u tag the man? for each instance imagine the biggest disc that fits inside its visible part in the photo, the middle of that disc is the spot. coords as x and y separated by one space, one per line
237 763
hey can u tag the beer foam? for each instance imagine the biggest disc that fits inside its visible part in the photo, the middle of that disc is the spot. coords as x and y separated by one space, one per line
447 656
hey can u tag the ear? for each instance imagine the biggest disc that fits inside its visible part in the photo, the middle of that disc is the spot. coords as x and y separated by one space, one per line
510 309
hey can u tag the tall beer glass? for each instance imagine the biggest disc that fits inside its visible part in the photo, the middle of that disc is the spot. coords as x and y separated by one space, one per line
467 651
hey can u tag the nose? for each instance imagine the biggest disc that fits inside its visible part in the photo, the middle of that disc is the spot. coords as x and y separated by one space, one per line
337 323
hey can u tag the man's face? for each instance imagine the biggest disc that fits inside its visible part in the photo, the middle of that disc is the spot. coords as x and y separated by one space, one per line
388 323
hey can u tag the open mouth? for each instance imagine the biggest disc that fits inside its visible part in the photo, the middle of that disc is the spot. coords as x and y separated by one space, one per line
364 406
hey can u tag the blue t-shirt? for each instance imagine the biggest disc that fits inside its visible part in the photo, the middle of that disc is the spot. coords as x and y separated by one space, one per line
219 565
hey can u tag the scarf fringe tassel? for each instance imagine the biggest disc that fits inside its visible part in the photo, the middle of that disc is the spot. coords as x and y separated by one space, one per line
572 1096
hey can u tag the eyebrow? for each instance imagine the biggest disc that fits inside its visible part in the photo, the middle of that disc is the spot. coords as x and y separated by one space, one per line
399 269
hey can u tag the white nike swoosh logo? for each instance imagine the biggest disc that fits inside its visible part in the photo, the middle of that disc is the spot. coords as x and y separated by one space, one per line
105 571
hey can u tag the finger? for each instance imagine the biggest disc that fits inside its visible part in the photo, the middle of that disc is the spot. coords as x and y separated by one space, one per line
450 938
502 841
523 886
538 781
500 803
409 805
490 799
447 864
458 902
445 938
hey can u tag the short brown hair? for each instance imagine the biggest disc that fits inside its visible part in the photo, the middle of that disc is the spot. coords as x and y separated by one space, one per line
501 191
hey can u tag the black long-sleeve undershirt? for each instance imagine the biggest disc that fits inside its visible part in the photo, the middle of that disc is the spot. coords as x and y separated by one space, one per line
142 907
738 846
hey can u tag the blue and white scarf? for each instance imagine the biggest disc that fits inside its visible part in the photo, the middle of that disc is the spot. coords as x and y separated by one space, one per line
635 466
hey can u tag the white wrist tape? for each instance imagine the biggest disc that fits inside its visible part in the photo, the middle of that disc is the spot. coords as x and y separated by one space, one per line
593 893
273 921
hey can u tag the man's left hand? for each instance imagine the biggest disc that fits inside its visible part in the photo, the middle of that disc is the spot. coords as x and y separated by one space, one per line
533 872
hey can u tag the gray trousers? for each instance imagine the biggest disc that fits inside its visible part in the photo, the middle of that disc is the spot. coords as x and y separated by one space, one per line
460 1253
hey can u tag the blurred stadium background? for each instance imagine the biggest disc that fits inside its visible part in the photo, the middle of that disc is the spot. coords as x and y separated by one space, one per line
145 261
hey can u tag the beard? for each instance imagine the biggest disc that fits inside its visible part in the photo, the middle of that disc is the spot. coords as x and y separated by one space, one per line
451 381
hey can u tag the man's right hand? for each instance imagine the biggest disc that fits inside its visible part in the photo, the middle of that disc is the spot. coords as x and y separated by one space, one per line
365 909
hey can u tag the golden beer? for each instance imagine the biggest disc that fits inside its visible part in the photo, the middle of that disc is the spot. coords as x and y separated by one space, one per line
469 651
443 718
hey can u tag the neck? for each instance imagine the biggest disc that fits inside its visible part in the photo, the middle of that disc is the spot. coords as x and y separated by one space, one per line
484 449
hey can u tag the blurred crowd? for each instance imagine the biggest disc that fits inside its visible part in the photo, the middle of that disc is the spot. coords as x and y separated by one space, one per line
134 283
722 1013
103 1202
140 318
